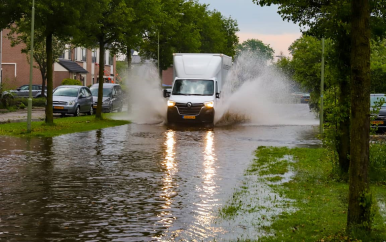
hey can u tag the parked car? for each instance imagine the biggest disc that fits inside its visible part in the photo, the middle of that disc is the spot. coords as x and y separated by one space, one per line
112 97
23 91
300 97
72 99
305 98
380 119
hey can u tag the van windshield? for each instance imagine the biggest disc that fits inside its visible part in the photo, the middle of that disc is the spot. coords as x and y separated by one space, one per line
193 87
377 99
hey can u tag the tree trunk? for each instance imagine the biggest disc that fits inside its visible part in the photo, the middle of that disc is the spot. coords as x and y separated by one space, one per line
359 208
98 114
344 127
49 107
128 57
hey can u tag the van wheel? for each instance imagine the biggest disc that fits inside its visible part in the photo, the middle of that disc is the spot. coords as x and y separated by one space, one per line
77 112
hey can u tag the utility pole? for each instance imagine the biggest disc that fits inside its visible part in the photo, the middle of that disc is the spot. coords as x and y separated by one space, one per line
29 114
322 89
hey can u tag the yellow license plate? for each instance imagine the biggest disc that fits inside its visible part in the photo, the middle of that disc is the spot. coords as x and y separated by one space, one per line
95 106
376 122
58 107
189 117
306 100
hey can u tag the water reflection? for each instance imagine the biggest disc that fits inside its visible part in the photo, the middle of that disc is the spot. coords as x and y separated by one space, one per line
168 188
127 183
209 185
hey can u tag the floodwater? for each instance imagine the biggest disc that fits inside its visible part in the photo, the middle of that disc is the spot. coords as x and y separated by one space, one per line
130 183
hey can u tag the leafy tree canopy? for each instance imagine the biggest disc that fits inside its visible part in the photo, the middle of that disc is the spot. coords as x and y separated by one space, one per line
258 47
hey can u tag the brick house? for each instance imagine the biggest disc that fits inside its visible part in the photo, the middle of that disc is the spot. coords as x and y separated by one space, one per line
76 63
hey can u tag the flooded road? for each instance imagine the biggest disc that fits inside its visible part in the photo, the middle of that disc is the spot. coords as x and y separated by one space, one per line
129 183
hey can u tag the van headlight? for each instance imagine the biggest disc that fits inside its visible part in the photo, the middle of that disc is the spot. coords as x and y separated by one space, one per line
71 102
171 103
209 104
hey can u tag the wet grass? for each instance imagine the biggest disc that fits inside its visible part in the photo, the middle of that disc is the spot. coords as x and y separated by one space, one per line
318 204
61 126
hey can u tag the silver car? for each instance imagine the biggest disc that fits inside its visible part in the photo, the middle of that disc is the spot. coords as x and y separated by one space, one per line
23 91
72 99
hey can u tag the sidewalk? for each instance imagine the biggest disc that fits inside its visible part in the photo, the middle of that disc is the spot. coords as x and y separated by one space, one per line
21 115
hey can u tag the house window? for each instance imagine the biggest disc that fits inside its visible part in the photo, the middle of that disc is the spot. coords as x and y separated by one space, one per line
75 53
62 56
94 56
84 54
111 58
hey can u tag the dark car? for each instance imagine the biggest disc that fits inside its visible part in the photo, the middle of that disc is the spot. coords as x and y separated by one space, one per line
72 99
305 98
380 119
23 91
112 97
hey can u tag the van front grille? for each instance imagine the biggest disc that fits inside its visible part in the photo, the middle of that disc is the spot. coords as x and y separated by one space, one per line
184 109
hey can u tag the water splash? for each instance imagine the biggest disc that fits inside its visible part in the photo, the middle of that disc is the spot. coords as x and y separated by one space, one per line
146 105
259 94
254 92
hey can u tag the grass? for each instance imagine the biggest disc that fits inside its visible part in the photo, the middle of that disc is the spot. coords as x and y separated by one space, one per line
61 126
319 202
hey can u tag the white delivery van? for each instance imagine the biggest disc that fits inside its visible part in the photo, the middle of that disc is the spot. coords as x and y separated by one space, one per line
197 83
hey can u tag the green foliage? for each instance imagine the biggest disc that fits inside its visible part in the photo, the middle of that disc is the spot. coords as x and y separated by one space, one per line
22 106
11 11
69 81
263 51
317 203
20 34
284 64
378 66
189 27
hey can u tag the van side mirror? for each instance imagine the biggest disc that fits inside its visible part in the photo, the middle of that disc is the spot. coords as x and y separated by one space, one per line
218 95
166 93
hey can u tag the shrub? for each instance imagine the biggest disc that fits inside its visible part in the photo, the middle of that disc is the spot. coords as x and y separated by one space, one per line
22 106
69 81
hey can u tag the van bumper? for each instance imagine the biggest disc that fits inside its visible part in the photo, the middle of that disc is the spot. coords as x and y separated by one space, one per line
206 116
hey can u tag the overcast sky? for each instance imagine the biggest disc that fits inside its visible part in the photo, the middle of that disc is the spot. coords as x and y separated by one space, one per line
255 22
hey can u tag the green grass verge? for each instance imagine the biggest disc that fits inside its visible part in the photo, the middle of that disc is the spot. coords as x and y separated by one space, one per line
61 126
319 202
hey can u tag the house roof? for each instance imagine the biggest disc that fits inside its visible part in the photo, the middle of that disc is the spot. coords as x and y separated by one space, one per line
72 66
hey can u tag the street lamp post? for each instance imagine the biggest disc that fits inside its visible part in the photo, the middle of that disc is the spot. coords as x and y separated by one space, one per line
322 89
29 114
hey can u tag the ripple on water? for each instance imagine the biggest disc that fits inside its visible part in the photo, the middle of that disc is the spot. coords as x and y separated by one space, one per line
129 183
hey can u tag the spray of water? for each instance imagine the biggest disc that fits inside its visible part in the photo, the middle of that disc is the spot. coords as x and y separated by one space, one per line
146 105
254 92
258 93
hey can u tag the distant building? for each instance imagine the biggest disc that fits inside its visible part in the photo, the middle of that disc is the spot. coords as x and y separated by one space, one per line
75 63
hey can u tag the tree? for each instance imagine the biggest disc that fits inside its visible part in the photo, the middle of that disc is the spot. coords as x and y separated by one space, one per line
144 17
106 22
343 21
359 208
188 27
53 18
21 34
11 11
254 45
